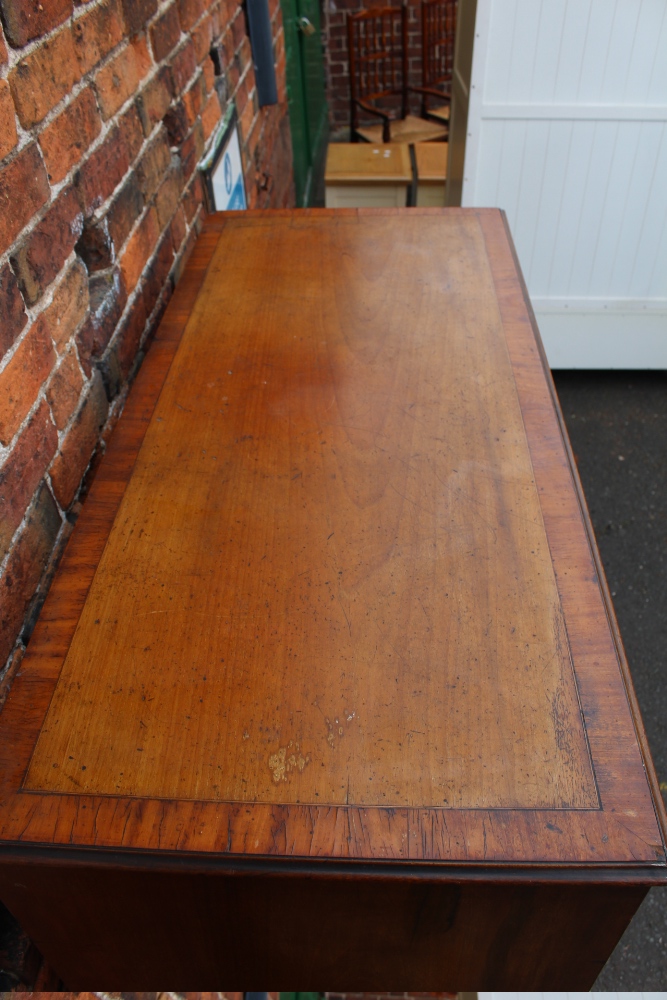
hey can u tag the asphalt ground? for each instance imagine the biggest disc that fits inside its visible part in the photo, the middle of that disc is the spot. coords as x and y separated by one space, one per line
617 423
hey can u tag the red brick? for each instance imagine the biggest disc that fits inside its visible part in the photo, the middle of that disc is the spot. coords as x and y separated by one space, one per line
168 196
97 32
183 66
158 273
193 100
27 174
12 310
107 301
131 131
39 258
25 566
8 134
145 63
177 230
239 31
64 390
190 11
202 37
137 13
27 19
95 246
244 58
228 46
211 115
193 198
191 150
67 308
128 341
177 123
139 248
209 75
257 135
23 472
44 77
77 448
247 121
161 307
124 211
233 75
185 252
67 138
103 171
153 164
22 379
242 94
116 82
165 33
154 100
217 14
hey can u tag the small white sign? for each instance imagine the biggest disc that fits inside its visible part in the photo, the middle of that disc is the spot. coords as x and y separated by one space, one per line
223 171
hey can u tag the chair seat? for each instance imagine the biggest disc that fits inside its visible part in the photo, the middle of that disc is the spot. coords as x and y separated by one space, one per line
407 130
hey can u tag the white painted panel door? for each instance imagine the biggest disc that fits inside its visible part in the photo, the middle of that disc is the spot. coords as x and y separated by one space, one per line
567 132
571 996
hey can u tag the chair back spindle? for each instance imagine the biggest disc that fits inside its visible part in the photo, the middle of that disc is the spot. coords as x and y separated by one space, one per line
438 37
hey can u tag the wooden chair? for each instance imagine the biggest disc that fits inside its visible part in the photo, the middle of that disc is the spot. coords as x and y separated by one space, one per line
438 36
378 59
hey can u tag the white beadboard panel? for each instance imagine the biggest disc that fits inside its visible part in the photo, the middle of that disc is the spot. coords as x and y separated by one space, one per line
595 203
576 191
648 274
645 196
548 54
581 50
553 202
578 112
567 132
522 62
621 153
648 50
598 35
658 79
535 160
492 75
604 339
573 46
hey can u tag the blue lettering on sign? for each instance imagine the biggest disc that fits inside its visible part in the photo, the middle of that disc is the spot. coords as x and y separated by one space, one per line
227 167
237 198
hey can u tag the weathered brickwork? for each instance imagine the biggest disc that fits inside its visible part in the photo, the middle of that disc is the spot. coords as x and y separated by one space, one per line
106 108
334 32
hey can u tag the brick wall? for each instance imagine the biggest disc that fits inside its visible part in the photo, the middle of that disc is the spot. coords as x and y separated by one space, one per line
106 107
334 30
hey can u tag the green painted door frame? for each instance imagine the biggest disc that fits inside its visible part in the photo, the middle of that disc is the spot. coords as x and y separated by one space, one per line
305 93
301 996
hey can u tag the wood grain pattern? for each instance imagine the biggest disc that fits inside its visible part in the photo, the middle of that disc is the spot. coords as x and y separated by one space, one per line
329 580
619 841
465 935
431 158
359 162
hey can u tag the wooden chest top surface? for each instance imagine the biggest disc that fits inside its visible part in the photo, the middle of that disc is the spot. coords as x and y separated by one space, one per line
333 593
363 162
